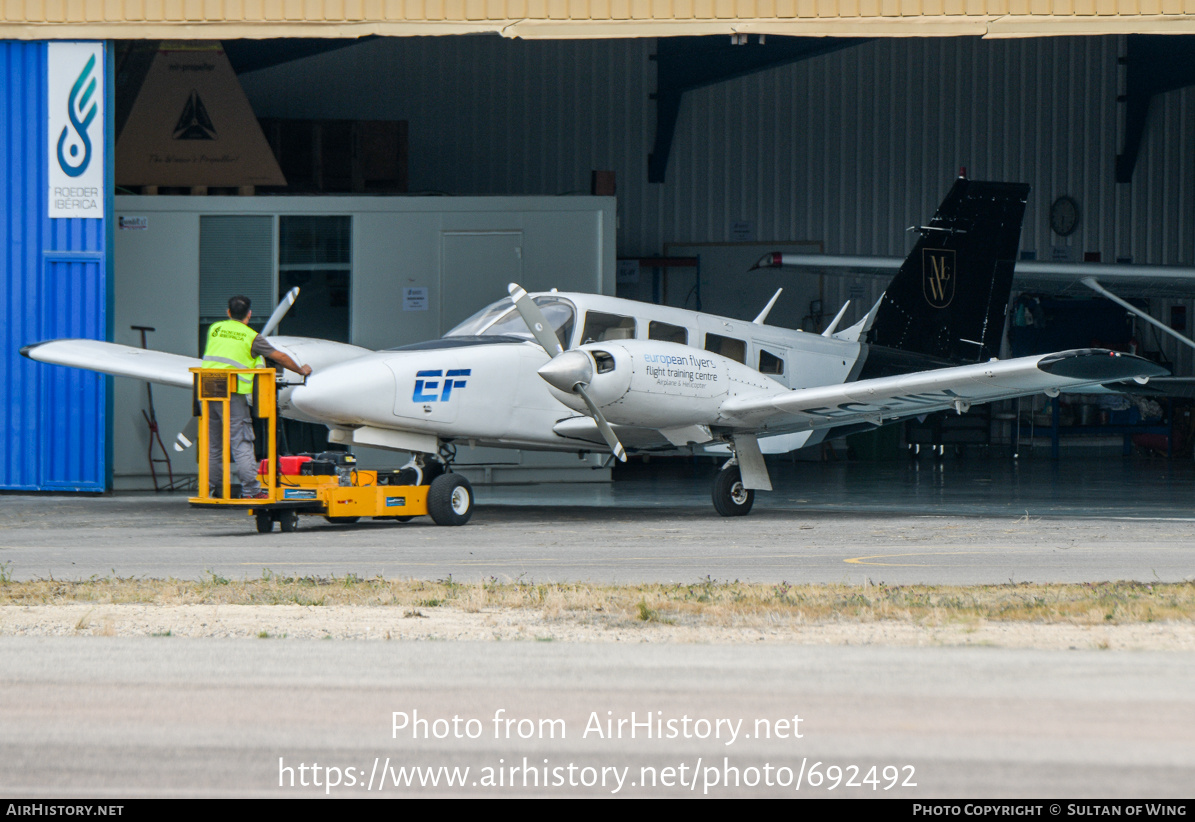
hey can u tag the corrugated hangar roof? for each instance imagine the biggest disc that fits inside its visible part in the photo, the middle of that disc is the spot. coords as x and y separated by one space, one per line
227 19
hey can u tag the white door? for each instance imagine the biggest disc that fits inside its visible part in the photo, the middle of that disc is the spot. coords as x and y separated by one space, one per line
475 267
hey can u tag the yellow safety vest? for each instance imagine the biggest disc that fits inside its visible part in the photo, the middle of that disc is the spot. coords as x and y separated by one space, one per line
230 345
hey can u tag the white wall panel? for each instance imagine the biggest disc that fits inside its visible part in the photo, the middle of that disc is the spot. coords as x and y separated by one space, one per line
397 243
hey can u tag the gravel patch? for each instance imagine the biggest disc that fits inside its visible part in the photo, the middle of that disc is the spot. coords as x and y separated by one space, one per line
446 623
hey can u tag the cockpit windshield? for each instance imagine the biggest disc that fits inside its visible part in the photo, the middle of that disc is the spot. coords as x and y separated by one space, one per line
502 320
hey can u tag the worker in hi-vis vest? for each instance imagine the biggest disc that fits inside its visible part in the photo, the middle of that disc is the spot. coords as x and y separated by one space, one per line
232 343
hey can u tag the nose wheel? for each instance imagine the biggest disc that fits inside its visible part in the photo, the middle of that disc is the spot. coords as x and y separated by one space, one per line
731 499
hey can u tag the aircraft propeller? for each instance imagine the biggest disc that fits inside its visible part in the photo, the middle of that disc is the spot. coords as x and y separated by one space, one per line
280 310
570 371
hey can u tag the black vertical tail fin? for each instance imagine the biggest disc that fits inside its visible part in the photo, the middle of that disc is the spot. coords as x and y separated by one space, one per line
950 296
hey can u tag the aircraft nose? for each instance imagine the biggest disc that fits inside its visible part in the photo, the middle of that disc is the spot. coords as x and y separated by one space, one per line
344 394
565 370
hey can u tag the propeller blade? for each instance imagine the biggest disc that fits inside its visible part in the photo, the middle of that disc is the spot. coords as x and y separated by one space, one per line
535 319
546 337
607 432
186 438
284 305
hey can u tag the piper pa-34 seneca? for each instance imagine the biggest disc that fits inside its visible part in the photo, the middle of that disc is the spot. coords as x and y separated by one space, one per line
581 372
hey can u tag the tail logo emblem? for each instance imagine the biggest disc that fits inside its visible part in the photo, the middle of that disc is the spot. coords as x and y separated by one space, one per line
937 276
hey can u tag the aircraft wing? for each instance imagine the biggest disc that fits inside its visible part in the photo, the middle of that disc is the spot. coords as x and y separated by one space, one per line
886 399
173 369
316 352
1130 280
115 359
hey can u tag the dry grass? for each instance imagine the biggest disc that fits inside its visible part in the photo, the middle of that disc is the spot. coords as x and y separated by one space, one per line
709 602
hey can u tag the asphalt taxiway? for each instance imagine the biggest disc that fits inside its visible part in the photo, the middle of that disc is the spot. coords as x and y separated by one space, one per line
173 717
953 522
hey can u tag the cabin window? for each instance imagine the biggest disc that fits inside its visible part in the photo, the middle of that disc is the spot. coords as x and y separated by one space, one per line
667 333
601 327
728 347
770 363
503 320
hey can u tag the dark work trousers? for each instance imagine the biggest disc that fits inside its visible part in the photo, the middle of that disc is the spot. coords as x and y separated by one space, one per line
240 440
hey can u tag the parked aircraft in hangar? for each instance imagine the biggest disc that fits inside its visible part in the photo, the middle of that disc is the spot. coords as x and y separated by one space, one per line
583 372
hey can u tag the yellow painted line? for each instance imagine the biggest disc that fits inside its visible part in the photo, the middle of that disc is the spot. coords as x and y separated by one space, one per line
611 561
864 560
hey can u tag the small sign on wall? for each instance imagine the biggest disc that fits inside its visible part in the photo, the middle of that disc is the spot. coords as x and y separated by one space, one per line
628 272
75 101
742 231
414 299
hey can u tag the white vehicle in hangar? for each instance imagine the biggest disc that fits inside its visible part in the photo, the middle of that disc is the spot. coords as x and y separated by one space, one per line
581 372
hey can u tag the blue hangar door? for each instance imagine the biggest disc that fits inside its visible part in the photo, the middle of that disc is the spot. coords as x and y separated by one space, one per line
56 209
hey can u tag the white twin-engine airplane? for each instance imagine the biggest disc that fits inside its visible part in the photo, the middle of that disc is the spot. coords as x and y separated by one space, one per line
577 372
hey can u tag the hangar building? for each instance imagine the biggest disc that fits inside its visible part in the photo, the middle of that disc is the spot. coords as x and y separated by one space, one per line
427 151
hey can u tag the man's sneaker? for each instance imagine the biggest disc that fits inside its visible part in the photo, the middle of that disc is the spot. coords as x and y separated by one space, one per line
262 494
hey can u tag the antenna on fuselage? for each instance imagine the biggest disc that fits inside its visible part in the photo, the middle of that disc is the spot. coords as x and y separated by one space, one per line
763 315
833 326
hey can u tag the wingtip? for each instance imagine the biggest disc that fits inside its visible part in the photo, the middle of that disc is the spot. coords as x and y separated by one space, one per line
27 350
770 260
1088 363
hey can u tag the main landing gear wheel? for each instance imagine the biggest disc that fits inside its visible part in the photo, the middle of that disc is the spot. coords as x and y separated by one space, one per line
288 521
731 499
265 522
450 500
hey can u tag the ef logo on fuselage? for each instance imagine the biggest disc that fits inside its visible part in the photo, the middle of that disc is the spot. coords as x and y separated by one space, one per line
437 385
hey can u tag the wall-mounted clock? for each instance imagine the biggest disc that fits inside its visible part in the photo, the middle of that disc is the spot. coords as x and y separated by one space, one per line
1064 216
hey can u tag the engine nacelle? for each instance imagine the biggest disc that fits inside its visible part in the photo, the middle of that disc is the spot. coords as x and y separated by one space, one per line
652 384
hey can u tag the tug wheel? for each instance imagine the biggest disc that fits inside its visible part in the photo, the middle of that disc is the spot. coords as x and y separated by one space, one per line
731 499
265 523
450 500
288 521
